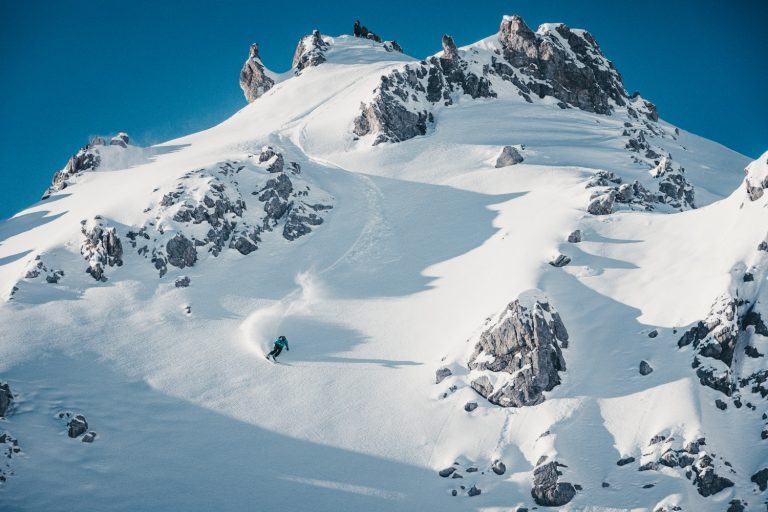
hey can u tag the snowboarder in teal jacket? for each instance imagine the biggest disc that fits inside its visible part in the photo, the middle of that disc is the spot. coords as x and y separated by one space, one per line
280 343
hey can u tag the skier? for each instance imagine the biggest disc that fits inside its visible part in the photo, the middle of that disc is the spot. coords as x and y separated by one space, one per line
280 343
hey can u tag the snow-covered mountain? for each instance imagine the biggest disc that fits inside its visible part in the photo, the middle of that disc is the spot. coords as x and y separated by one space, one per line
507 283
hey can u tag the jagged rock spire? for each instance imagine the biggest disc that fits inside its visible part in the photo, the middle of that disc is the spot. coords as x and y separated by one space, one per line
450 52
310 51
253 77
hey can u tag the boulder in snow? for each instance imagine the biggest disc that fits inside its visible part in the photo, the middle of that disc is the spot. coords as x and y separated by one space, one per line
509 156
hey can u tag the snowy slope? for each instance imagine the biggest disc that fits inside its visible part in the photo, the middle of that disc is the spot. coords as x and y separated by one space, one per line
419 245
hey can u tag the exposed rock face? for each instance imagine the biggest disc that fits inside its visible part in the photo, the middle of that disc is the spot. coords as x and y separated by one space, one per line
310 51
9 448
564 63
254 80
645 368
101 247
509 156
602 204
547 490
399 109
525 342
6 398
77 426
86 159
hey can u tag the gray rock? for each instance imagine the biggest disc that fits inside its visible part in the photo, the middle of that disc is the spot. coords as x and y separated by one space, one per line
707 481
761 479
525 341
498 467
473 491
736 506
653 333
645 368
470 406
253 77
575 236
720 404
509 156
441 374
6 398
547 490
602 204
182 282
450 52
624 461
89 437
181 251
561 261
445 473
77 426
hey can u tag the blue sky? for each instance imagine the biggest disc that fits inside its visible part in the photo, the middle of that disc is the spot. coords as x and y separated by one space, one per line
159 70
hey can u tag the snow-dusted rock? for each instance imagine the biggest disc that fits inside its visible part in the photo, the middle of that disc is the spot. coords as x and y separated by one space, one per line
509 156
182 282
101 247
121 139
560 261
522 351
310 51
254 80
77 426
498 467
602 204
757 178
181 251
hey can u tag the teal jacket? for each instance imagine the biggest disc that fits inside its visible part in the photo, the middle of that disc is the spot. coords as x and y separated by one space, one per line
282 343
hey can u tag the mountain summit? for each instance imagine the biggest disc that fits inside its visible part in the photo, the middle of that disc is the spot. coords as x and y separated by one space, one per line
507 283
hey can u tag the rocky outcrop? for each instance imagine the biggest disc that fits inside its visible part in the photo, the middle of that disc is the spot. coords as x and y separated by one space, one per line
77 426
645 368
575 236
519 356
563 63
602 204
702 468
254 80
401 104
509 156
121 139
761 479
756 181
309 52
207 211
6 398
9 448
547 490
101 247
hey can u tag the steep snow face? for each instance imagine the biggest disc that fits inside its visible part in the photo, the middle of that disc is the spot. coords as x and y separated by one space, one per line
143 296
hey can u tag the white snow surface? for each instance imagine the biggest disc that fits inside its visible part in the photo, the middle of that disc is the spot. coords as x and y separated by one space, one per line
425 241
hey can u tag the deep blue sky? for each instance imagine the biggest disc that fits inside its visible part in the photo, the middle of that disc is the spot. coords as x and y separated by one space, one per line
161 69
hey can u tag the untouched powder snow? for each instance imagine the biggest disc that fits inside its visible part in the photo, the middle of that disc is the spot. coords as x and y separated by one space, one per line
425 241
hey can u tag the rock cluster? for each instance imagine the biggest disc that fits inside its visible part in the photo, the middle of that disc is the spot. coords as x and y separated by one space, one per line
9 448
611 194
736 322
401 105
206 210
702 468
254 80
525 343
77 426
309 52
101 247
547 490
38 268
362 31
